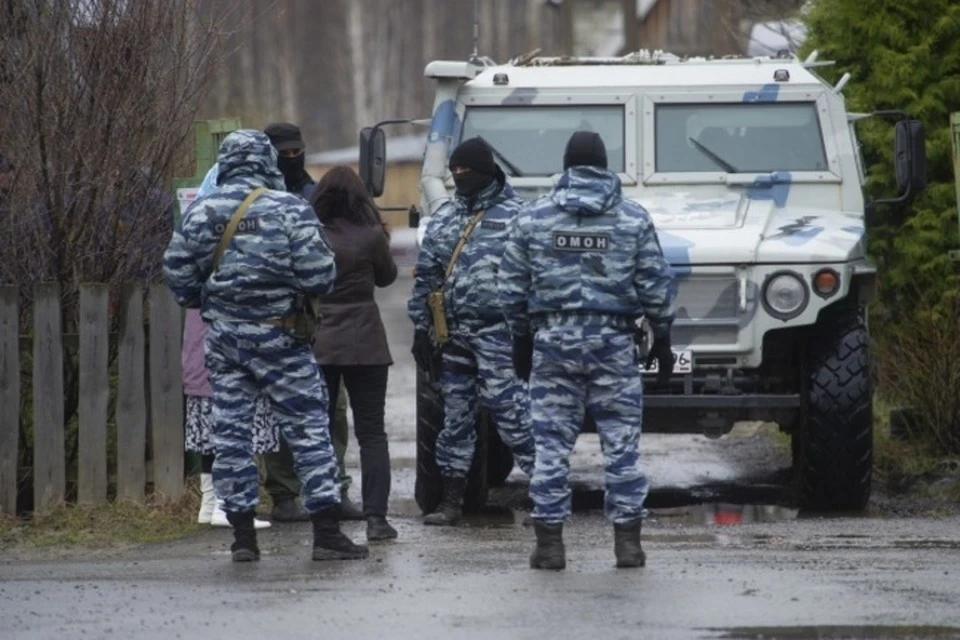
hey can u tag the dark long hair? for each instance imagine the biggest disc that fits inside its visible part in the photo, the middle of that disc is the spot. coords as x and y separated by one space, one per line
341 194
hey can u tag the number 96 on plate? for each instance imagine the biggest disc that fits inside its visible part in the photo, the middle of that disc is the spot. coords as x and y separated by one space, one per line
682 363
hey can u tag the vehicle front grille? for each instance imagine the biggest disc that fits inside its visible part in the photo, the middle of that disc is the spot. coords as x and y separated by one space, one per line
707 310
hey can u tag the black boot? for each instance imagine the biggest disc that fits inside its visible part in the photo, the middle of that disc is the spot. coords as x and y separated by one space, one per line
244 547
450 510
348 509
549 552
379 529
329 543
626 544
289 511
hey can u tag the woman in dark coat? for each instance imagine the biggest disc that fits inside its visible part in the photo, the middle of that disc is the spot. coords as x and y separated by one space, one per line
351 342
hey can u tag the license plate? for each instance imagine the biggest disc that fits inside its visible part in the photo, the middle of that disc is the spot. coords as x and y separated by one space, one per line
682 363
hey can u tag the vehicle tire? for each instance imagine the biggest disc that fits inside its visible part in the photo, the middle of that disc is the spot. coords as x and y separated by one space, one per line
836 447
428 486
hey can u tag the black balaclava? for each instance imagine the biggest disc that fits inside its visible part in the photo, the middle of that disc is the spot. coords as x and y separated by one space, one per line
474 154
294 171
585 148
285 136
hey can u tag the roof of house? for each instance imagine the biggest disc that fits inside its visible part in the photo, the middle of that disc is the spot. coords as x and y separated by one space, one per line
399 149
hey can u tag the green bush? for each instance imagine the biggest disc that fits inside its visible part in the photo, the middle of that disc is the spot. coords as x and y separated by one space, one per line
901 55
906 55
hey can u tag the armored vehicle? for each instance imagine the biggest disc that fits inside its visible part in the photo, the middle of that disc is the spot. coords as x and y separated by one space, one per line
753 174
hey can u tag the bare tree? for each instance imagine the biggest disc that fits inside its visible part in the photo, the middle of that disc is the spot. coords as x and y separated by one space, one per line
98 100
97 111
338 65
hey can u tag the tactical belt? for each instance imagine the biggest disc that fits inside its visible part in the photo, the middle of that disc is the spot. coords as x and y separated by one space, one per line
288 323
583 318
476 323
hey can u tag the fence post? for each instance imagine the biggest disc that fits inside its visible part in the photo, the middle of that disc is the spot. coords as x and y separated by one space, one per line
9 396
166 392
94 394
49 463
131 400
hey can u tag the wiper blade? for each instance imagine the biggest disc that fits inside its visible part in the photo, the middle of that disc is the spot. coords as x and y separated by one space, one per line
513 168
729 168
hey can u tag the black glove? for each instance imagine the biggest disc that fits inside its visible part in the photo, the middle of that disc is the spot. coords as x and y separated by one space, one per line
523 356
663 354
422 350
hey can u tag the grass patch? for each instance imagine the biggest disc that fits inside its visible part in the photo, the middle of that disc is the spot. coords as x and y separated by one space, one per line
112 524
911 465
106 525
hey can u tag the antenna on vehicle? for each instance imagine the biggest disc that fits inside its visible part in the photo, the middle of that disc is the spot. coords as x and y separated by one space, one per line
844 79
476 29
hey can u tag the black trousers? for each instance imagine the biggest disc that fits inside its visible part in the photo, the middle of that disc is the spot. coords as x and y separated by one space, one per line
367 387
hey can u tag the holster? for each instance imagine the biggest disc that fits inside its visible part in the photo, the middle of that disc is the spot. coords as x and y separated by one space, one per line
303 322
439 313
640 339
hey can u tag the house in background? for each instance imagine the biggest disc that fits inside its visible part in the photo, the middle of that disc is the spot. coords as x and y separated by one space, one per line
401 185
685 27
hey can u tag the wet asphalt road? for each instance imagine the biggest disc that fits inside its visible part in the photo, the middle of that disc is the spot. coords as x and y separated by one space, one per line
765 574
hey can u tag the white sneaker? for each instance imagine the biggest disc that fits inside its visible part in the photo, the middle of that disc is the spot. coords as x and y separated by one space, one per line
219 518
208 500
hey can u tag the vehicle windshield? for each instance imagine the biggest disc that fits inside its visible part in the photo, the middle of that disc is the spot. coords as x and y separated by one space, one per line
739 138
531 139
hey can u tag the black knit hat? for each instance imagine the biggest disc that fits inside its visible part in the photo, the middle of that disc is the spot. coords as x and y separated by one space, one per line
585 148
284 135
475 154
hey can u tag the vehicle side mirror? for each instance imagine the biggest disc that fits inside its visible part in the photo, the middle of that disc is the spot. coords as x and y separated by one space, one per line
910 157
373 159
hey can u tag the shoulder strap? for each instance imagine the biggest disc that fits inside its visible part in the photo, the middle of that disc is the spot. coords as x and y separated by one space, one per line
232 226
463 240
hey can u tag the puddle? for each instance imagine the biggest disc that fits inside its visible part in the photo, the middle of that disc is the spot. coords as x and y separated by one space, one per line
493 517
724 514
838 632
587 497
702 514
927 544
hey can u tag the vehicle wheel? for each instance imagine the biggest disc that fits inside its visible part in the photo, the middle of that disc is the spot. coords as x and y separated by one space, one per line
428 487
836 447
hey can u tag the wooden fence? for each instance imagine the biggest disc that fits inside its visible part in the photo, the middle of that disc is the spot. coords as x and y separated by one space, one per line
137 368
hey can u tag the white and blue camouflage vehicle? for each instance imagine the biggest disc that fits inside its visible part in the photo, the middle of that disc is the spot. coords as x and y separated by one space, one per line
752 172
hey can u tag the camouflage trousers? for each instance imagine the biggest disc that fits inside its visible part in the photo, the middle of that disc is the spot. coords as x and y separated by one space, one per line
578 369
478 371
244 360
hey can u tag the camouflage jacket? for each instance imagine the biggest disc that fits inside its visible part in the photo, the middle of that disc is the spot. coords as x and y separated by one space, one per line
470 294
280 250
582 247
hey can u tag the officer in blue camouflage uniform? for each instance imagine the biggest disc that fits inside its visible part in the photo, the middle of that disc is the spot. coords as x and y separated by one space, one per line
278 254
581 266
477 358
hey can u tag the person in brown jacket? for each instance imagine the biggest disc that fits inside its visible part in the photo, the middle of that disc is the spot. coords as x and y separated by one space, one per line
351 342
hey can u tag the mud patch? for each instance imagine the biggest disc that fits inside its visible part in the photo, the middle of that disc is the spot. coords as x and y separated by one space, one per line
838 632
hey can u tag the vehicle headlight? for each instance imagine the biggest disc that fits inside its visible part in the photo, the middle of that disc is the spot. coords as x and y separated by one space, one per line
785 295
